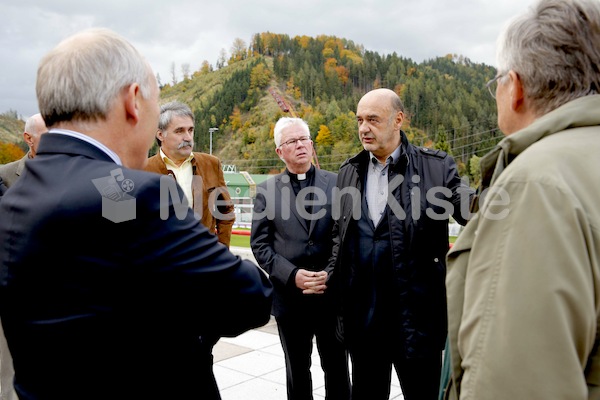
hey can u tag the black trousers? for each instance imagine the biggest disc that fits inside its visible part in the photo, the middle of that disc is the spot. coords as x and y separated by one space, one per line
372 373
296 334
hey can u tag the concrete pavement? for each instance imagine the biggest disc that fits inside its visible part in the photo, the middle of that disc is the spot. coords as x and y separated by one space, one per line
251 366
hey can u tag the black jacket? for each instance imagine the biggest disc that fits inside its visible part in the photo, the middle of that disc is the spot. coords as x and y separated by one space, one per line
282 242
418 270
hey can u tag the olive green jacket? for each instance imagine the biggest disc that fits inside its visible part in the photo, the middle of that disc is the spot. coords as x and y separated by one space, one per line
523 281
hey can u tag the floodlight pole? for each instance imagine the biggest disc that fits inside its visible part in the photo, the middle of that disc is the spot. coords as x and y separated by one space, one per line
211 130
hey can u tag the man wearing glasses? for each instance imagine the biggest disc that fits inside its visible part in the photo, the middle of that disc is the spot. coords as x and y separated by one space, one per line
291 241
524 290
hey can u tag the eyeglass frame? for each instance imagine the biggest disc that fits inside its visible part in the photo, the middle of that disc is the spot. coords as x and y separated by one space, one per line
303 140
491 83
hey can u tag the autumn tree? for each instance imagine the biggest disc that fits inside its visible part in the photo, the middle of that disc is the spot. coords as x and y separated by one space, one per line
324 138
205 68
185 71
222 59
238 50
10 152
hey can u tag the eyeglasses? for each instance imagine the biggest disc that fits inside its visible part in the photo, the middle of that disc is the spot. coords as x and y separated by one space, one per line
303 140
493 85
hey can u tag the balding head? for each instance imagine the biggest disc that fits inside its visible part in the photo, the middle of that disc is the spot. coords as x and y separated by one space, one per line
384 98
379 115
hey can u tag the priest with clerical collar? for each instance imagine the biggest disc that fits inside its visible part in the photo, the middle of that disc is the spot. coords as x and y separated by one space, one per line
294 247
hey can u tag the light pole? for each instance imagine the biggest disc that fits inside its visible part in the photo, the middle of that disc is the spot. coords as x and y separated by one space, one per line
211 130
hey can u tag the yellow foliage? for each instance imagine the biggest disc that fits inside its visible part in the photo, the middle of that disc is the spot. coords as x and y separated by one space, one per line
10 152
355 58
327 53
330 63
324 136
303 41
343 74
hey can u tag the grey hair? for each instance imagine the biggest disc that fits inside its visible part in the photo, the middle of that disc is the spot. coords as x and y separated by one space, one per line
82 76
35 125
283 123
554 47
170 110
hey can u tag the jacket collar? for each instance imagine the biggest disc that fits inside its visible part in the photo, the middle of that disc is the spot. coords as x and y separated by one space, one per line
576 113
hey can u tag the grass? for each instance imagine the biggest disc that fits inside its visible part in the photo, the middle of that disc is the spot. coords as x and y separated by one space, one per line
244 241
240 241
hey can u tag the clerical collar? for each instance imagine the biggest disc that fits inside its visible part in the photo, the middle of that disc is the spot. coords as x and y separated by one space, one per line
304 176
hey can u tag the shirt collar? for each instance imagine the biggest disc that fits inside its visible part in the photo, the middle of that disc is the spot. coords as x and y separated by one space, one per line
170 162
89 140
394 157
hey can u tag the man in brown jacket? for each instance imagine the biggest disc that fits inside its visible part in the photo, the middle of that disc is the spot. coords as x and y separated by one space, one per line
199 174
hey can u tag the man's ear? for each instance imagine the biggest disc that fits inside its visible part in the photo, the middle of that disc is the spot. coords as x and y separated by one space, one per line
399 118
517 94
28 139
132 97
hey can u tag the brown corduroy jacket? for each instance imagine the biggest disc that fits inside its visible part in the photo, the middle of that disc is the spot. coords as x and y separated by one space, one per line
208 167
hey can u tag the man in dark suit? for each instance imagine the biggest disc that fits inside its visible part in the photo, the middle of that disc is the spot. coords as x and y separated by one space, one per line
291 240
106 285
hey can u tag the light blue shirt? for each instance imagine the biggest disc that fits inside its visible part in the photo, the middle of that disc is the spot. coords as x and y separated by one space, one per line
377 185
89 140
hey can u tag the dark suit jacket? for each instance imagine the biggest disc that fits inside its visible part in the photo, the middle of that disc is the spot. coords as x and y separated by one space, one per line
209 168
282 242
94 309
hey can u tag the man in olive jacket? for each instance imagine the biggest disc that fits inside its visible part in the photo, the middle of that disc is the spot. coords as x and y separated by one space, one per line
524 276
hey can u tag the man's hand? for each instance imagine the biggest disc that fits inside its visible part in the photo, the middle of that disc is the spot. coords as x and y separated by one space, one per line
311 282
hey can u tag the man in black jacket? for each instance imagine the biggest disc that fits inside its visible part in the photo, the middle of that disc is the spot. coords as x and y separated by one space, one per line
390 242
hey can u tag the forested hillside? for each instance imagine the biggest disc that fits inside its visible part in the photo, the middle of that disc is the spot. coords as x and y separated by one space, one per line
12 145
321 80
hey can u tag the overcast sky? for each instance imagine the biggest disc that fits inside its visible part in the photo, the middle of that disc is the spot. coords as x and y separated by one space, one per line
191 31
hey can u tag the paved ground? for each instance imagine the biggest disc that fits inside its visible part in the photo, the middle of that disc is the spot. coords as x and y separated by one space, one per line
252 367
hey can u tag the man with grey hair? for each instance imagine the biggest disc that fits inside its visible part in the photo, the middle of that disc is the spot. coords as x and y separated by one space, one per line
199 174
34 128
9 173
291 240
103 296
524 290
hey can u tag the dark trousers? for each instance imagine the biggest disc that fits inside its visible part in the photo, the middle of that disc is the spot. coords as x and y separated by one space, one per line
372 373
296 334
